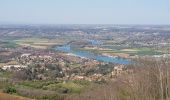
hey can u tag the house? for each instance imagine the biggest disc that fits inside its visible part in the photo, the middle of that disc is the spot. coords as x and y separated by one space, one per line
117 70
9 67
25 55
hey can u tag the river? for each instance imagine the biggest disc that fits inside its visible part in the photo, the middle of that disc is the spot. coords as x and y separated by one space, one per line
91 55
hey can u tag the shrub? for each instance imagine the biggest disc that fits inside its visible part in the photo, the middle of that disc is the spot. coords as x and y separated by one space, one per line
10 90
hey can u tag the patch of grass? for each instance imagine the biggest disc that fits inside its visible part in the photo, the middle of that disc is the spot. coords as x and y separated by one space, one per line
4 84
8 44
50 90
146 51
4 74
68 87
36 84
82 82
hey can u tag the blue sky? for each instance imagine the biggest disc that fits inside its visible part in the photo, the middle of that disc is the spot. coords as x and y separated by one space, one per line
85 11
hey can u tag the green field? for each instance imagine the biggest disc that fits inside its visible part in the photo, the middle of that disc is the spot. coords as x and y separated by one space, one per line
70 86
39 43
130 51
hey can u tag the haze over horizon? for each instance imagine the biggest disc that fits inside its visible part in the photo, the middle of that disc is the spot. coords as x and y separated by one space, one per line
84 12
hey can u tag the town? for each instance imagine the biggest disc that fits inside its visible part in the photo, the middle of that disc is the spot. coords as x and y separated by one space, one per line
65 59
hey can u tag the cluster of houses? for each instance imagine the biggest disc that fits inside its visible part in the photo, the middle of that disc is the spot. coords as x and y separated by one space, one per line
117 71
64 62
13 67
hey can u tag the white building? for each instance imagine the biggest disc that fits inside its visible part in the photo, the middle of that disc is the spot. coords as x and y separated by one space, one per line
13 66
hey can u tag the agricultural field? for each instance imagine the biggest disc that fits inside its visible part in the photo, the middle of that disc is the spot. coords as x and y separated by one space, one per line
35 42
39 43
125 52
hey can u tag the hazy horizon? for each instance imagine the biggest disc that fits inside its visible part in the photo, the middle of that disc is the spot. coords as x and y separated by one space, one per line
131 12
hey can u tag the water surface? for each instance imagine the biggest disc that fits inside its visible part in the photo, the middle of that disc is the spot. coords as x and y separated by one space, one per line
94 56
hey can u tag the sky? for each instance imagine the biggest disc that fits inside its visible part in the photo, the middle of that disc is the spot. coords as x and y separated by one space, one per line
85 11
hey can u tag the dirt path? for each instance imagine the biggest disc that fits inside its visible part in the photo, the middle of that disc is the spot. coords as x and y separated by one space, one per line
4 96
